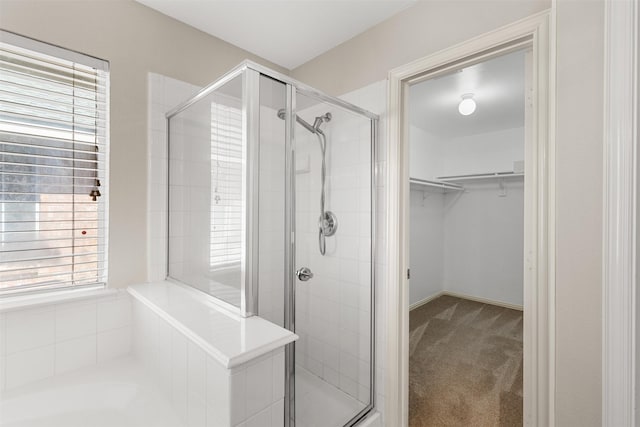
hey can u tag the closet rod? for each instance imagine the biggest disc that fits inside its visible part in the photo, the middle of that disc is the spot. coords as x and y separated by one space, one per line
480 176
436 184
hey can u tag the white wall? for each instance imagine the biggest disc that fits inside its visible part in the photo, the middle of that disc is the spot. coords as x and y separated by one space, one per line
482 153
470 242
484 242
426 156
426 244
432 156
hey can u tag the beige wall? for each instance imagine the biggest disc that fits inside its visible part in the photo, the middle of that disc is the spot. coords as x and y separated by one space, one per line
580 74
427 27
135 40
431 26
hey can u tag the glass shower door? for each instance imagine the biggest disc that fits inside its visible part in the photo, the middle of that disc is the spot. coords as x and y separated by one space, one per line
333 263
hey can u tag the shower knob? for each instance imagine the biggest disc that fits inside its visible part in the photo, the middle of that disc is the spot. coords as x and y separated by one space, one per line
304 274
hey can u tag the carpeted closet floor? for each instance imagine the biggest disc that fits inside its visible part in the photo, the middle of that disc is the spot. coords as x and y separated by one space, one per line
465 364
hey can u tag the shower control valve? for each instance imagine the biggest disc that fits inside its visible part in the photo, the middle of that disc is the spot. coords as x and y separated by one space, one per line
304 274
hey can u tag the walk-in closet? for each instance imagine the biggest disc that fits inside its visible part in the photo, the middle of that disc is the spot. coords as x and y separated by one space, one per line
467 173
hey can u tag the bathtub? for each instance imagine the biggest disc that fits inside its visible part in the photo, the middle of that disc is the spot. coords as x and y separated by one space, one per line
156 355
118 393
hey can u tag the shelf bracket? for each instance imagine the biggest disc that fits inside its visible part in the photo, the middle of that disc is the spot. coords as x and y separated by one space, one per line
502 189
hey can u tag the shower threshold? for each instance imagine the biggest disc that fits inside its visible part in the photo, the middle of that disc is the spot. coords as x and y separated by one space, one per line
319 404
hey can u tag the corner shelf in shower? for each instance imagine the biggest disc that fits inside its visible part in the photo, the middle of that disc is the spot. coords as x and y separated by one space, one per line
425 184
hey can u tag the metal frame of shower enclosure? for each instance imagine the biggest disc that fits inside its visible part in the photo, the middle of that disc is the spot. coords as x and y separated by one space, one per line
249 290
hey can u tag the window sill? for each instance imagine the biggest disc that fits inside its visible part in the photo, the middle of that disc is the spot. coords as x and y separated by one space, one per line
54 297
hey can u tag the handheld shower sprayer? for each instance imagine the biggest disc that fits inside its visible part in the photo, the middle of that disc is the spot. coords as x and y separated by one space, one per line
327 223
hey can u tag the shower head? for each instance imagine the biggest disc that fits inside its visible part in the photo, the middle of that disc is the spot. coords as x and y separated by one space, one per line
316 124
321 119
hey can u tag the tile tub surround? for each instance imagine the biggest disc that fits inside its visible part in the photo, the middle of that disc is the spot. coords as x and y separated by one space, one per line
217 369
52 339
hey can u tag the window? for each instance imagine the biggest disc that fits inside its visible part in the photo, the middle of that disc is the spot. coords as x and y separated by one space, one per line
226 186
53 167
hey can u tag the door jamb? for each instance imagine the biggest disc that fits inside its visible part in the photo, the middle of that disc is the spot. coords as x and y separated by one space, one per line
539 295
620 210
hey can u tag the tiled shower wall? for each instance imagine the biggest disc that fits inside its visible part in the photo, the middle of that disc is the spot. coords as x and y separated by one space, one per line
164 93
333 309
374 98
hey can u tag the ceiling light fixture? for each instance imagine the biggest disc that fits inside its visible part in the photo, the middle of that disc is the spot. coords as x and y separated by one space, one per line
467 105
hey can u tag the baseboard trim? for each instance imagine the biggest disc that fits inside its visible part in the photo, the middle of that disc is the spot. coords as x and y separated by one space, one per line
465 296
426 300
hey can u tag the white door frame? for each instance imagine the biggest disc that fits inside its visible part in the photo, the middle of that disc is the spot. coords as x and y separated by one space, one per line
619 303
539 242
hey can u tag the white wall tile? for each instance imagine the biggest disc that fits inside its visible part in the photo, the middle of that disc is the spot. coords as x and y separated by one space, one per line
261 419
113 343
114 313
197 371
278 375
277 414
238 392
348 385
179 370
220 395
75 320
29 366
163 373
28 329
75 354
3 335
259 386
3 374
197 411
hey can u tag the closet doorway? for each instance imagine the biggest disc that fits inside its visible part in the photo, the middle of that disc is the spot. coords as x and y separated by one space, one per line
467 132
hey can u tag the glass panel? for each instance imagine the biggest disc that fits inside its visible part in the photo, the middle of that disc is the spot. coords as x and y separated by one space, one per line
271 218
333 308
206 205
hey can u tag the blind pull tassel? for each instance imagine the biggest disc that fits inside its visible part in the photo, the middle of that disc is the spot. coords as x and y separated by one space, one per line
95 193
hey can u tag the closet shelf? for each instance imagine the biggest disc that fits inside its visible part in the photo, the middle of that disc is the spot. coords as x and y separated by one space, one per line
478 176
436 184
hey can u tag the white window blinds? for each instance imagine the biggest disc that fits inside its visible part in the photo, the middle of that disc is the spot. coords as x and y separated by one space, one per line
53 165
226 185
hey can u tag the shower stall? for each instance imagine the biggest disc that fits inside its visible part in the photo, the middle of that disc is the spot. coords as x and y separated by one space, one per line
271 213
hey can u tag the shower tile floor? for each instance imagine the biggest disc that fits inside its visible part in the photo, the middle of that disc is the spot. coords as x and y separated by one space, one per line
319 404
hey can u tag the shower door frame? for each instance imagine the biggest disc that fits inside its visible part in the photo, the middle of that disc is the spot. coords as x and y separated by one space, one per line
251 136
293 88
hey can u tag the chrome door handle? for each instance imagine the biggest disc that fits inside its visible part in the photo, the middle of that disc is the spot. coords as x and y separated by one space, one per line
304 274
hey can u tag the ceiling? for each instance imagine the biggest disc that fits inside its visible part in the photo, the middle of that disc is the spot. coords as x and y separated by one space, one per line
498 86
288 33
